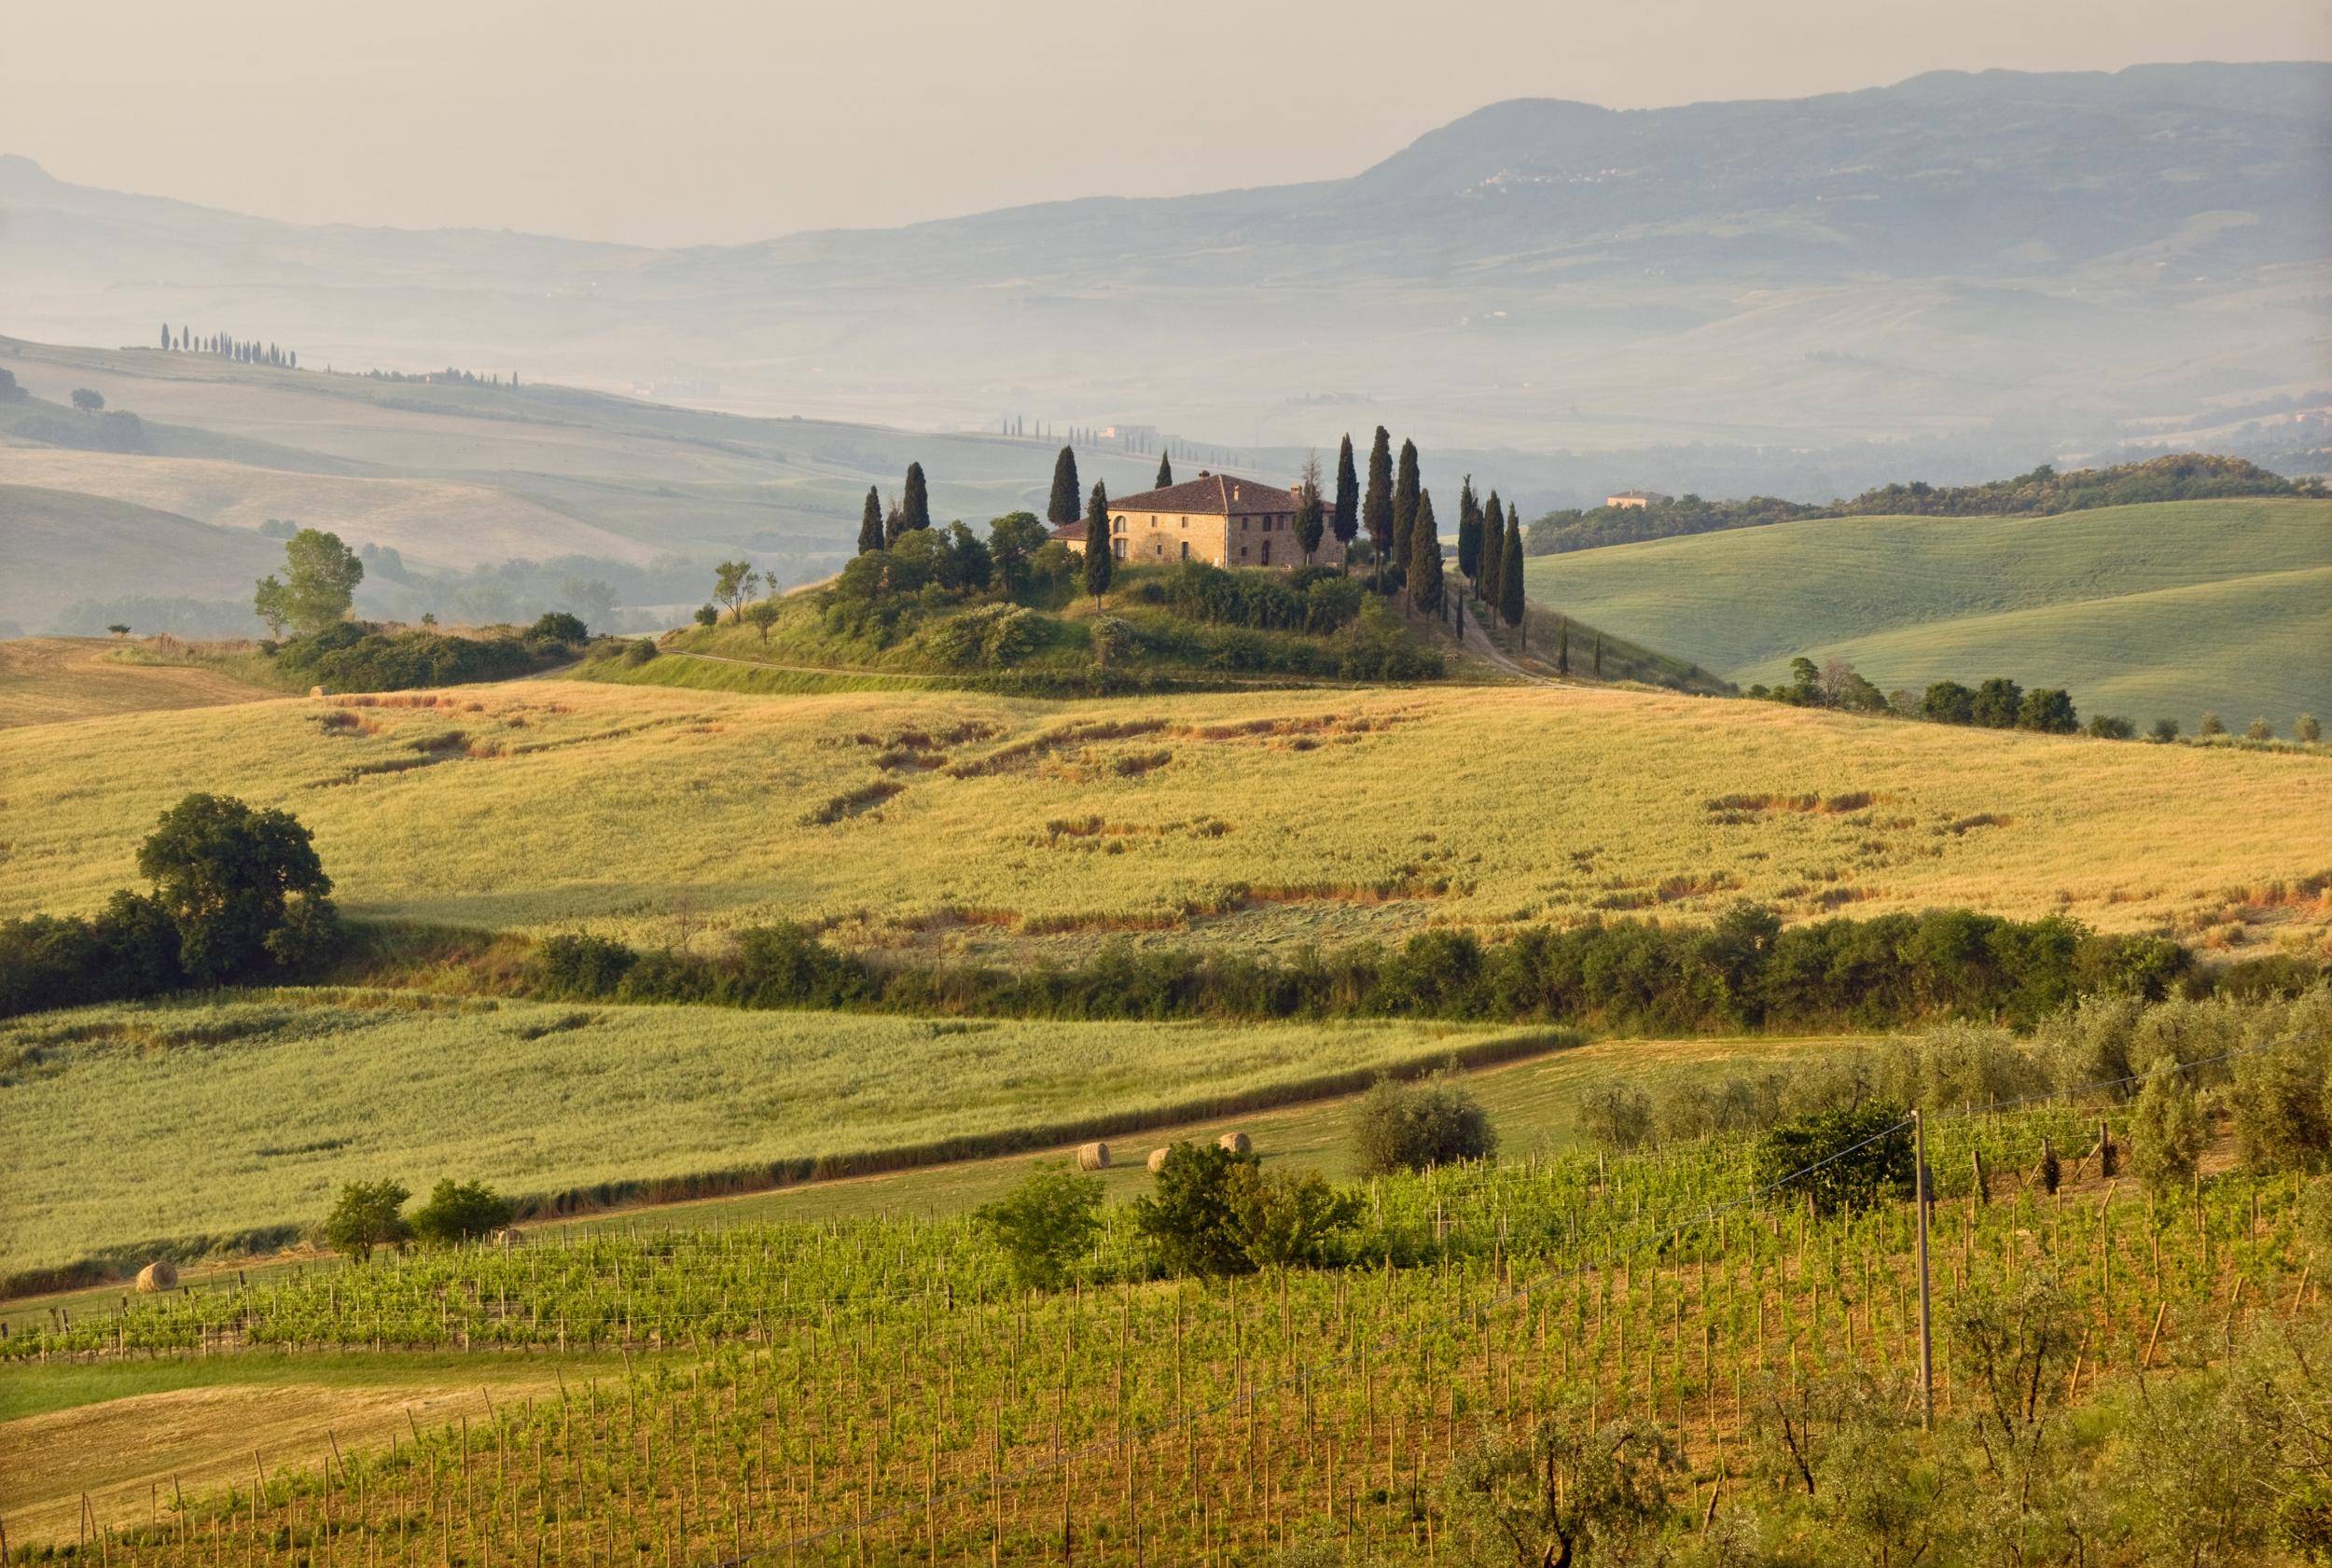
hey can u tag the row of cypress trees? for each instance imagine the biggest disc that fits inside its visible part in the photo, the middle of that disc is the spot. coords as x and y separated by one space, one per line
878 530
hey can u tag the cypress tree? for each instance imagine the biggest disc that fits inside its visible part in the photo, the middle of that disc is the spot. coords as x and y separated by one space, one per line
1311 514
1405 493
1376 508
871 524
1100 565
1599 656
1494 554
1493 545
916 502
1562 645
1511 576
1469 531
1346 523
1425 557
1063 508
1165 470
893 526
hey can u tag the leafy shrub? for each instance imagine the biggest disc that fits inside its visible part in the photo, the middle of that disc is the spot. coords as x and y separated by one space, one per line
1850 1158
353 657
583 965
2106 726
1112 638
639 651
557 625
1289 1219
460 1212
2282 1121
2165 1134
1415 1127
1616 1116
706 616
1045 1224
367 1214
1191 1216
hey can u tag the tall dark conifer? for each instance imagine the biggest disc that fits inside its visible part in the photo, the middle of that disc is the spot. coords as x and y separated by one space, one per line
1066 493
1510 574
1165 470
1376 506
1469 531
1310 513
871 524
1493 554
1345 521
1405 493
1100 560
1425 557
916 501
1562 645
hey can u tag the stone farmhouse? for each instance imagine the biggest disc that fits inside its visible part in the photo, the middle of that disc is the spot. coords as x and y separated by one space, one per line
1638 499
1214 518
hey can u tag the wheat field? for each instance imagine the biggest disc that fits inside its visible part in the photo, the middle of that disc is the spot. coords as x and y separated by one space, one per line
203 1117
963 823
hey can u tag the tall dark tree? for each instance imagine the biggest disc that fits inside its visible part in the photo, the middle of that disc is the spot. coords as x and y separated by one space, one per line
1101 561
1425 557
1469 531
1406 489
1165 470
915 503
871 524
893 524
1066 491
1376 508
1345 524
1493 554
1562 645
223 872
1493 546
1310 513
1510 573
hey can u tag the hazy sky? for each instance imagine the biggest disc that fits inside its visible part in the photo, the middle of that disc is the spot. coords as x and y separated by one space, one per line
689 121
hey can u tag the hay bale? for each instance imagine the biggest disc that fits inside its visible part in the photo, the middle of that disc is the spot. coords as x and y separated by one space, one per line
318 691
158 1276
509 1236
1158 1160
1235 1142
1093 1157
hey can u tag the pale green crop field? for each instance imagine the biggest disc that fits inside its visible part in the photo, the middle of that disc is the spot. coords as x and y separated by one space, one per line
209 1118
2166 610
956 822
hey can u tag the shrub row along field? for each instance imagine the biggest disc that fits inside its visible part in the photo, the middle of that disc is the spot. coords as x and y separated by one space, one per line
969 823
1691 1370
2164 610
204 1122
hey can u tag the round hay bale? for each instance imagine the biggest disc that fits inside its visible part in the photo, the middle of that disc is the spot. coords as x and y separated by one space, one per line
1093 1157
1158 1160
509 1236
158 1276
1235 1142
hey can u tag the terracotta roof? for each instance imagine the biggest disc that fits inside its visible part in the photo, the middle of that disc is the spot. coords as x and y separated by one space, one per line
1211 495
1069 530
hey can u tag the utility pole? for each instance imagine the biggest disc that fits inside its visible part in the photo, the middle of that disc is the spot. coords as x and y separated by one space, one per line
1926 1318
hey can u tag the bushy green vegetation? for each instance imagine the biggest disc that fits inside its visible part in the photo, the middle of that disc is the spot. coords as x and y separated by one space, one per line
1748 971
349 656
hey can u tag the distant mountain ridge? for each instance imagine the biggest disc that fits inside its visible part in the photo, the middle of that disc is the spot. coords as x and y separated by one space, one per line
2035 265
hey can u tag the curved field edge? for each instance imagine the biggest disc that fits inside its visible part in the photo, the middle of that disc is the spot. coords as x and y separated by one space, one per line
223 1124
1744 603
965 826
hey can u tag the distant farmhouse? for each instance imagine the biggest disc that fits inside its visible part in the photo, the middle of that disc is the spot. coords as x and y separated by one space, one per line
1638 498
1214 518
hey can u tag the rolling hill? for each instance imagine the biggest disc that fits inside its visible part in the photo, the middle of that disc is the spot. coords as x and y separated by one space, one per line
956 822
57 546
2022 264
2162 610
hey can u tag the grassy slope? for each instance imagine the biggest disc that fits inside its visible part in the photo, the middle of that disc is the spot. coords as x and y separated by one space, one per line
2163 609
204 1118
58 546
1251 819
46 680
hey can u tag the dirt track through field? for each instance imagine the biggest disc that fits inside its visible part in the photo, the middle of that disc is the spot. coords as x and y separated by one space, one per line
129 1455
49 680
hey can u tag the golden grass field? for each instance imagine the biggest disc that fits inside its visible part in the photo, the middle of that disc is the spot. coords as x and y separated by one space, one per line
968 823
46 680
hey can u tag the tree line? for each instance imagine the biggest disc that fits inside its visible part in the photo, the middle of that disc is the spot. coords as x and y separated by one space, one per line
221 345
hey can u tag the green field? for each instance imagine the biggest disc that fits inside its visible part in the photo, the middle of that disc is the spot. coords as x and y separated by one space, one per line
200 1119
2169 609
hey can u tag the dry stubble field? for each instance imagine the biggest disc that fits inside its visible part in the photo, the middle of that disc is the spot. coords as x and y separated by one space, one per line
1019 827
